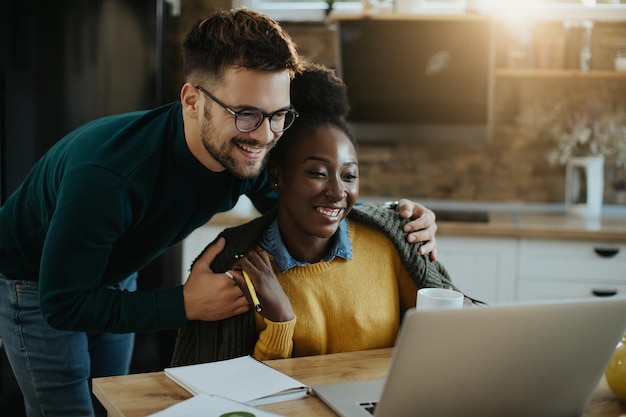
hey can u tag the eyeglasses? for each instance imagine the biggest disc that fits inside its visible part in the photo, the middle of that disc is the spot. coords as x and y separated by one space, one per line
248 120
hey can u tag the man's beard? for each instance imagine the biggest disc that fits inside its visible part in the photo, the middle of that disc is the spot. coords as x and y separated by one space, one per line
247 169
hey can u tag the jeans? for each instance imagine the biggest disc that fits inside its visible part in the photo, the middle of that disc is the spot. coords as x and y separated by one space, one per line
54 367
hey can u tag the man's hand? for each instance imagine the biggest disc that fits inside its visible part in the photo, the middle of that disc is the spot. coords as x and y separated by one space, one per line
210 296
421 228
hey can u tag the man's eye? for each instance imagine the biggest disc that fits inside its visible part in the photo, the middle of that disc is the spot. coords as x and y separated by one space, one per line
248 114
279 115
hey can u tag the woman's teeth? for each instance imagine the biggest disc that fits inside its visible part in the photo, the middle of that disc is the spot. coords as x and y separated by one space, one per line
329 212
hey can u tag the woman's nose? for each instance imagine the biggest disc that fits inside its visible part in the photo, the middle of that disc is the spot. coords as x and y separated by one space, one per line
336 189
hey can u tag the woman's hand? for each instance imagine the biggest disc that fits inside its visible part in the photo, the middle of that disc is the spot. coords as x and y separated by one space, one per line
276 304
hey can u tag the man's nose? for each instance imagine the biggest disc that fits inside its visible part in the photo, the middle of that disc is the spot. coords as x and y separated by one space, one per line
263 133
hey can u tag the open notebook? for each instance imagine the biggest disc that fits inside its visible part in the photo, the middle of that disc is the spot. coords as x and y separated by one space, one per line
243 379
543 360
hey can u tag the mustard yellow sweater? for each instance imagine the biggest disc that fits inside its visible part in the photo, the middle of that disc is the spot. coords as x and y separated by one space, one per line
341 305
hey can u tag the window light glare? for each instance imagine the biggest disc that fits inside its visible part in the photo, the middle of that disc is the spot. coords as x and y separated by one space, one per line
512 8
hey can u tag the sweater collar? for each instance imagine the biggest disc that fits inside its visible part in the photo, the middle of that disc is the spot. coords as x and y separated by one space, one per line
272 242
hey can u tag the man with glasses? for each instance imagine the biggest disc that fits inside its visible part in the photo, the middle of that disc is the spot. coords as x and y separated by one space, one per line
113 195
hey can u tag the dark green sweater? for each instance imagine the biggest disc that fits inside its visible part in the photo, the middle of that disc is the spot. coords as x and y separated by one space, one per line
104 202
236 336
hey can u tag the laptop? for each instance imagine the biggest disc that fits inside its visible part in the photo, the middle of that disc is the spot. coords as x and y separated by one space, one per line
542 359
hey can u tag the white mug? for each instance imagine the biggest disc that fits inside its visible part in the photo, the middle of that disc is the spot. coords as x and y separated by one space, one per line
438 299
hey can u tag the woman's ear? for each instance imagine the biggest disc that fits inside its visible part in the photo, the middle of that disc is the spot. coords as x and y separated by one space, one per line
273 174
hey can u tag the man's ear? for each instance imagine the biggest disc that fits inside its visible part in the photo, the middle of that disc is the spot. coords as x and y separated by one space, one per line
189 97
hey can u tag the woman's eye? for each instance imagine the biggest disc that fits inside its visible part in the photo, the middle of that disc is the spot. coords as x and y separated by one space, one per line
317 174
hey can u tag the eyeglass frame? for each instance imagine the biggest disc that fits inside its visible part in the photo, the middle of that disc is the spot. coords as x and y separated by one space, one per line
236 114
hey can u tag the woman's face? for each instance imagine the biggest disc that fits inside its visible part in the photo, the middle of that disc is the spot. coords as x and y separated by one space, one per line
318 184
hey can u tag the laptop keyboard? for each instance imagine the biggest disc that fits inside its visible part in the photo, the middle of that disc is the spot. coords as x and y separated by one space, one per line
370 407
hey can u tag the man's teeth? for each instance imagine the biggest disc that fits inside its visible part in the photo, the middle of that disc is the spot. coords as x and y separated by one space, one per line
251 150
329 212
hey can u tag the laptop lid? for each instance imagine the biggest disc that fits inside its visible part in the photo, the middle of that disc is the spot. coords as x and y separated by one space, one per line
541 359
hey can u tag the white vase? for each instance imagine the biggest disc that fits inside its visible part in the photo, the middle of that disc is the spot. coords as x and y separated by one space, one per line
584 186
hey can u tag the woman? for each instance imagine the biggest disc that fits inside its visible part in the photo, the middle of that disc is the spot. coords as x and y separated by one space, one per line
331 276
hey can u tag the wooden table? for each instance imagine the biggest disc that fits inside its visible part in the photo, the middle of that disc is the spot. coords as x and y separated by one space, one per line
139 395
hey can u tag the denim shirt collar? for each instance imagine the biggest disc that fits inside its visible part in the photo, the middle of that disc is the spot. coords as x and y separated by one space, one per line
272 242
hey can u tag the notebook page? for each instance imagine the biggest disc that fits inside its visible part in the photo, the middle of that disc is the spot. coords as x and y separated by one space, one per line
243 379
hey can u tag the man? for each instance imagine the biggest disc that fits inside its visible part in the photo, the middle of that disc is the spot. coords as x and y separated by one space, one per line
116 193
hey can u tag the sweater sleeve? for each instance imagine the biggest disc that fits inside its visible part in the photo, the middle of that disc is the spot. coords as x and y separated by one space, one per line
210 341
275 340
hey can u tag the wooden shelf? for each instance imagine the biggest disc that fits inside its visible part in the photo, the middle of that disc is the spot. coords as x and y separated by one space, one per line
341 15
558 73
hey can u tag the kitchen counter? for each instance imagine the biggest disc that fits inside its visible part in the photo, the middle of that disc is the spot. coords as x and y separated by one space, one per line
548 225
494 219
511 219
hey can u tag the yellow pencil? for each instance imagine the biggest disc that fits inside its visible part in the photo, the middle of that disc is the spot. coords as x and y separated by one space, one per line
252 291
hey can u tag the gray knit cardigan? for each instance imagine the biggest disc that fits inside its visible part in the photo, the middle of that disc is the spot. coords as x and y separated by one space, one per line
204 341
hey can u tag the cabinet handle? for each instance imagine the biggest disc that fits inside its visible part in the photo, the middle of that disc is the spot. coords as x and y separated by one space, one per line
604 293
606 252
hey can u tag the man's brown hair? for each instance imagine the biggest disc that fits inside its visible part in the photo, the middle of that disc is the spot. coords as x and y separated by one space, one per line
240 38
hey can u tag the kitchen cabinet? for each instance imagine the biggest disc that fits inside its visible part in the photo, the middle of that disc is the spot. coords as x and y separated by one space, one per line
553 269
532 269
483 268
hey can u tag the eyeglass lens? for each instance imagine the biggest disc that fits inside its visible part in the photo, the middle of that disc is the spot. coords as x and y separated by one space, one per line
249 120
